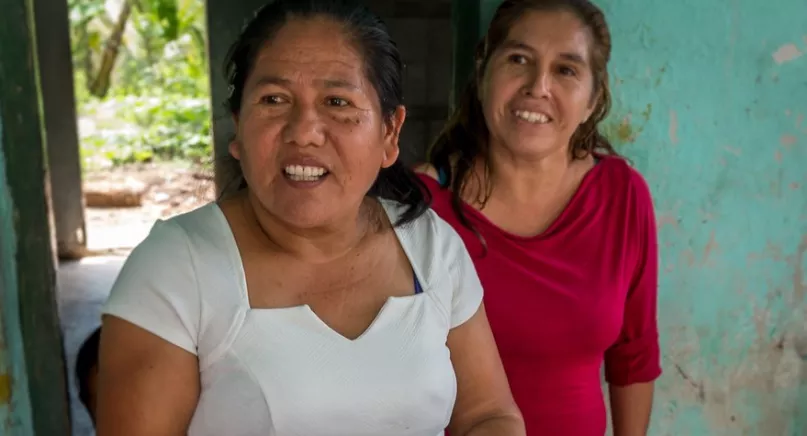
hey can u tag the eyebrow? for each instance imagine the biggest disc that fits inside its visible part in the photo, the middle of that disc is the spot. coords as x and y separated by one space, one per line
573 57
327 83
272 80
518 45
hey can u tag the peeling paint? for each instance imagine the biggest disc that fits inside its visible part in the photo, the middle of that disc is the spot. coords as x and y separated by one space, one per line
666 219
734 151
673 132
5 388
15 408
711 245
786 53
787 140
799 285
619 132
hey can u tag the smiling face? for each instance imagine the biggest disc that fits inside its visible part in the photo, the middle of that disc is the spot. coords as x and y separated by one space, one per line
310 135
537 86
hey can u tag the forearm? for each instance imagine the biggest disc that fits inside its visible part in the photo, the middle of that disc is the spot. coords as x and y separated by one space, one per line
631 406
498 426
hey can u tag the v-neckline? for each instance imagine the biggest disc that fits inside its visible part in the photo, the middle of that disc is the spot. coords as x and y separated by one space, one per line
238 265
382 313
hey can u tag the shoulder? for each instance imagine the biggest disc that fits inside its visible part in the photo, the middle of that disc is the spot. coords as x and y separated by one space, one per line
430 178
205 221
427 169
428 229
202 231
429 240
619 176
171 249
440 196
440 259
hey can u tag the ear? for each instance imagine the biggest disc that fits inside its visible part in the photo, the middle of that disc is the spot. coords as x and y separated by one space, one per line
235 149
392 134
235 144
478 77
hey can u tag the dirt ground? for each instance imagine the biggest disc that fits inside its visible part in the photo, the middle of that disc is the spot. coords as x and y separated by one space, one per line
161 189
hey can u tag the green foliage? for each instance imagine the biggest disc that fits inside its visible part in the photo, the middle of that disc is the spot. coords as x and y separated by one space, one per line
142 129
158 104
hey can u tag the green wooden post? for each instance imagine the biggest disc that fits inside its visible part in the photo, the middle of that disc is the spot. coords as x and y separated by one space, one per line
470 20
32 274
487 8
465 17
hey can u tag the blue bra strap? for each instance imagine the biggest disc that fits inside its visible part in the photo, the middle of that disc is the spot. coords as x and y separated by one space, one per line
418 288
442 177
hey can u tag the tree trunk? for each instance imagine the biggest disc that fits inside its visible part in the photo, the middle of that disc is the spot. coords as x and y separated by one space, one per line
100 85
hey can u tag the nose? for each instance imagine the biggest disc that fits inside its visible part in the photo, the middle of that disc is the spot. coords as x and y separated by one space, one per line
539 84
304 127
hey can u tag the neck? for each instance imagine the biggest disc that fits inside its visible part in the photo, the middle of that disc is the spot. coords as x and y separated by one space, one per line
521 179
320 244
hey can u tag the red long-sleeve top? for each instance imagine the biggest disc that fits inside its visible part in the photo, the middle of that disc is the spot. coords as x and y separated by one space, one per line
581 293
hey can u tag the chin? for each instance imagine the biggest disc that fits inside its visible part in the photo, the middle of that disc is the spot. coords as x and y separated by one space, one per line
532 146
301 214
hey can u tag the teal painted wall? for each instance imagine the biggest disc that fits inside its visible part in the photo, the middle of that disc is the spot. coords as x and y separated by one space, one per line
15 411
711 105
710 101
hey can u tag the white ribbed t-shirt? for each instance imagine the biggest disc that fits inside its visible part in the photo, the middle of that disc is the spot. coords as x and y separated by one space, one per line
284 372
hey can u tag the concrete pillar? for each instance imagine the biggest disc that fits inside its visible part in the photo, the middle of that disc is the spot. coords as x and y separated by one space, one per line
31 346
59 110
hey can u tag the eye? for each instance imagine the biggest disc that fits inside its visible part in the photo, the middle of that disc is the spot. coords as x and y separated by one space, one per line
567 71
272 99
337 102
517 59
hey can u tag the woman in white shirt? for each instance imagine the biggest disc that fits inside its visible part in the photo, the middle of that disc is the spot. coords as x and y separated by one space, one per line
324 297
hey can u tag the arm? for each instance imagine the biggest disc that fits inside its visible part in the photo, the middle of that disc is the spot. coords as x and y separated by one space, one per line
146 386
484 404
633 363
630 408
148 375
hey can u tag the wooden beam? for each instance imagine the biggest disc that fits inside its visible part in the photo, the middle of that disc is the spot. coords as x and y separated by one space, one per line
23 144
59 110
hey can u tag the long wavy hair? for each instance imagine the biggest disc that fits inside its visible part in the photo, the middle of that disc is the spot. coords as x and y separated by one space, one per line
464 140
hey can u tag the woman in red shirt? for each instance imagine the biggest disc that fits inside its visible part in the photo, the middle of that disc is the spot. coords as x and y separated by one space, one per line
560 227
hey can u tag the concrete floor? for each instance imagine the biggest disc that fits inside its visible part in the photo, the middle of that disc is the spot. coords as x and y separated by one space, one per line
83 288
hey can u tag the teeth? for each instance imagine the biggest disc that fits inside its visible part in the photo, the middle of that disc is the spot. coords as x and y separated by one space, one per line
300 173
532 117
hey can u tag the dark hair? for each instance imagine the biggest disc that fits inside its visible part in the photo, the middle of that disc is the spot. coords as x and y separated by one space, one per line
383 67
465 137
86 360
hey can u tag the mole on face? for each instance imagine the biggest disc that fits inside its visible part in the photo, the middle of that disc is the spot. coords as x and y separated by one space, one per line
347 119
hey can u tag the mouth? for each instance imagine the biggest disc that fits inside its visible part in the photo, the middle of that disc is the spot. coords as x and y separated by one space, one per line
305 173
532 117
